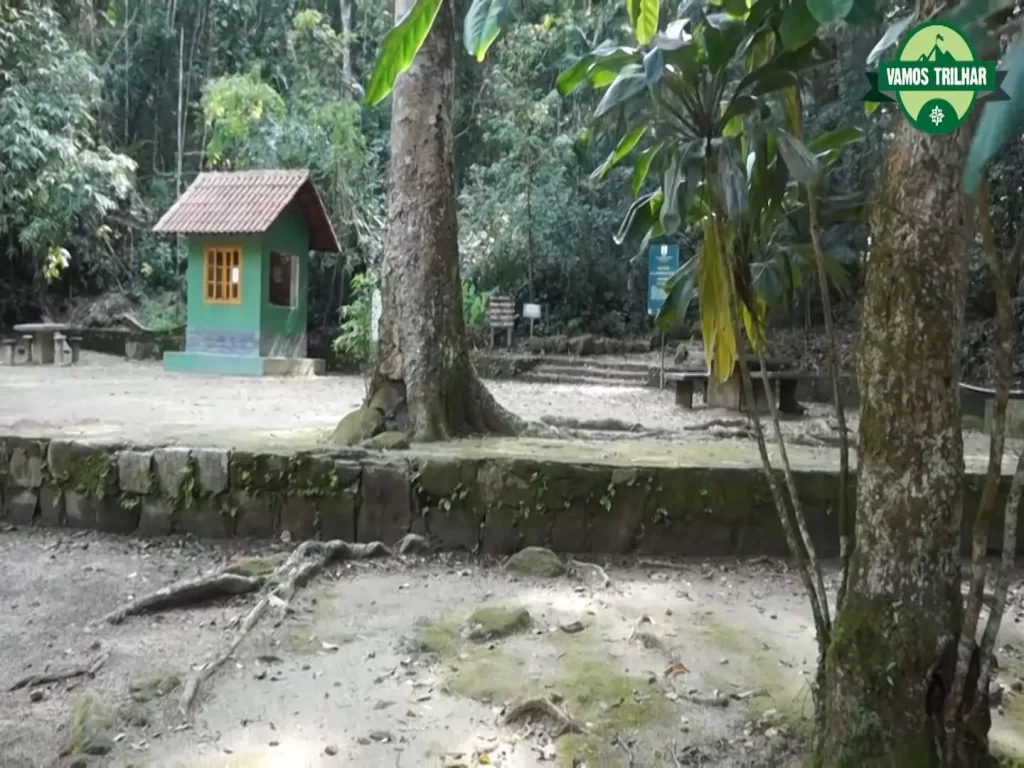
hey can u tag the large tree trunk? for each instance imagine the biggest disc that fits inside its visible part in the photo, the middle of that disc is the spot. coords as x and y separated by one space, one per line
893 647
424 381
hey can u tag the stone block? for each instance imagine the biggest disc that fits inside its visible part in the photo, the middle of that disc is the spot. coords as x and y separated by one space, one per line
135 471
348 472
272 472
207 518
299 517
338 515
386 506
21 504
172 467
623 509
91 470
60 460
449 495
313 476
25 468
79 509
242 471
255 514
212 470
156 516
117 514
51 506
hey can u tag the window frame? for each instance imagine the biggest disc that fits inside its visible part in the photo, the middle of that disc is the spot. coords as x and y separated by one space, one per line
222 273
294 267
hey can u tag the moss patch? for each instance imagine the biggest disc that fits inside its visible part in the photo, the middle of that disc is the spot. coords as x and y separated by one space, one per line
491 676
596 692
440 638
90 727
134 713
302 641
491 622
759 669
156 688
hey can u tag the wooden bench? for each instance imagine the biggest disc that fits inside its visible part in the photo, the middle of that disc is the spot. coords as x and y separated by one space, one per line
501 313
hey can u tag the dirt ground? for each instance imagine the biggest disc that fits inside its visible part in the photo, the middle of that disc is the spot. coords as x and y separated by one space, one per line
107 397
372 667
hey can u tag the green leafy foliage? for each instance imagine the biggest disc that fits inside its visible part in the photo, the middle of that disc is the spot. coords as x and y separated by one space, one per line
57 174
400 47
1000 121
484 21
724 162
827 11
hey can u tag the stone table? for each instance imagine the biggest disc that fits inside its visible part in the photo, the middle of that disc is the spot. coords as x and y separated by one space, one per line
42 339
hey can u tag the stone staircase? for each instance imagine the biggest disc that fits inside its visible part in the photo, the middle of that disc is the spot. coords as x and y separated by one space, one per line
589 371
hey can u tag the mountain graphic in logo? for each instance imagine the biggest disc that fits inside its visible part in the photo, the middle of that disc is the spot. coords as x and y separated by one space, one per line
938 56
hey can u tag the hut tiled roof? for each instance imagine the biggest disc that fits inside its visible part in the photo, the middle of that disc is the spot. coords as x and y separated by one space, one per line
248 202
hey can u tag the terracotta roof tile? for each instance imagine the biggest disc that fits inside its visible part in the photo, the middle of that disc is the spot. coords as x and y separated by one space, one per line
248 202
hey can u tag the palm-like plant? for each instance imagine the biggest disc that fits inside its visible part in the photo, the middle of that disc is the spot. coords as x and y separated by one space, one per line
710 104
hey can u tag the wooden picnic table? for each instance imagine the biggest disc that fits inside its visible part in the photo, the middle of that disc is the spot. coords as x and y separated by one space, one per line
42 339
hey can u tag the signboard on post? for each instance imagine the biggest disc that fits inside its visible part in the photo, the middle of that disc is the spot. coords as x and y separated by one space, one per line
376 310
662 263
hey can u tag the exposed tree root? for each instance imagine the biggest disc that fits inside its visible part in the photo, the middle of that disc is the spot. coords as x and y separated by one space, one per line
31 681
308 560
598 425
189 592
543 705
709 701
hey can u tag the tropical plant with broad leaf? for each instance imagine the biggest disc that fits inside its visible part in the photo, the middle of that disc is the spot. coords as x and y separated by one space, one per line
708 107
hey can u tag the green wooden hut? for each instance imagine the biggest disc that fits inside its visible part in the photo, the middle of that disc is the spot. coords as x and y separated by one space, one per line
249 237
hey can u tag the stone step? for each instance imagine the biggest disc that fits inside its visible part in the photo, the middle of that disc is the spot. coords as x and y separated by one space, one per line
539 377
599 372
633 366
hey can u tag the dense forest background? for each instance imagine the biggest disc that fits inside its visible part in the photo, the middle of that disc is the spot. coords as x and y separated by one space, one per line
108 109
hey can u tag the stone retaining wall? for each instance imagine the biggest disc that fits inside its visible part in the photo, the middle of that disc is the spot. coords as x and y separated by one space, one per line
494 504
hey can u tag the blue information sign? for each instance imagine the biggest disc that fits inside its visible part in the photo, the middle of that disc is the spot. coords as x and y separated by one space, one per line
662 263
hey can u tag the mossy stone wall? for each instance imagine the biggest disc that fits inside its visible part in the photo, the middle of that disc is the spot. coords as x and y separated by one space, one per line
486 503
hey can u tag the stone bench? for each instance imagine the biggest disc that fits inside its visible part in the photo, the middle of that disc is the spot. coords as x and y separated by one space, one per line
66 348
784 384
981 401
685 382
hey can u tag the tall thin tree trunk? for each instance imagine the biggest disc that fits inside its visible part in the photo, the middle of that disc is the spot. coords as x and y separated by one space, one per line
424 381
345 12
893 647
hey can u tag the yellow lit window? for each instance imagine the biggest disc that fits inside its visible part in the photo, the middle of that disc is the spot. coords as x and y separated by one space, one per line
222 266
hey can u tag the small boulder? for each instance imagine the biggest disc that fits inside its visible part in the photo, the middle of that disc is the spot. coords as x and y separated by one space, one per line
491 622
357 426
536 561
387 441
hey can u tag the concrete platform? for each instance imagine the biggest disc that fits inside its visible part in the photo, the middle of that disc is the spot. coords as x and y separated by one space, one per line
242 365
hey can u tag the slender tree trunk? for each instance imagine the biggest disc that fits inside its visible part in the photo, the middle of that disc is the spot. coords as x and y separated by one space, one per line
424 382
893 649
345 12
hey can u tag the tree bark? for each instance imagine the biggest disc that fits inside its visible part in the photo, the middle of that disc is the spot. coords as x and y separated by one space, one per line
424 381
893 648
